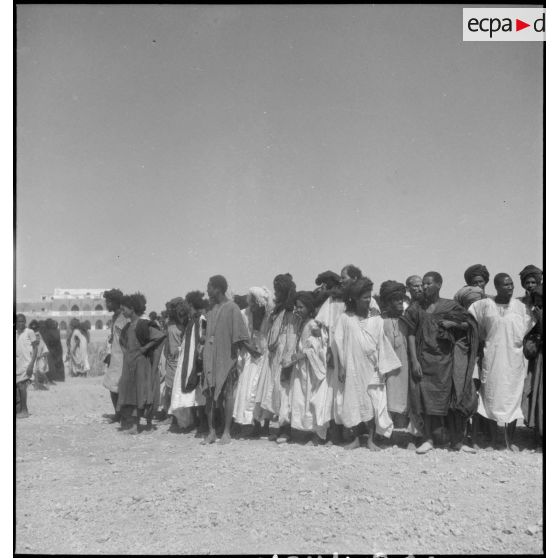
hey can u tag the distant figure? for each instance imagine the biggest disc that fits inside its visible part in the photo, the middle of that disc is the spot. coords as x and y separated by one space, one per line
78 339
115 357
138 390
40 369
226 335
51 336
26 353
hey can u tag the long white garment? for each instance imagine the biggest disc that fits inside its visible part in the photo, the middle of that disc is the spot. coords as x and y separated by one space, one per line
502 327
328 315
114 368
79 359
249 369
365 355
181 402
309 402
24 353
41 362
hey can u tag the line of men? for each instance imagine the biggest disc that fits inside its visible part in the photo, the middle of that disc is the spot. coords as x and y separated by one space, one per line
335 363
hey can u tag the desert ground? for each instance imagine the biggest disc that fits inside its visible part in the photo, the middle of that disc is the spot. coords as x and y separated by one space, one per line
84 487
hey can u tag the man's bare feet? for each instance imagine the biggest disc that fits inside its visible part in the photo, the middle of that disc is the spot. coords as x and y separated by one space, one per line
425 447
372 446
211 438
354 444
225 438
513 447
411 446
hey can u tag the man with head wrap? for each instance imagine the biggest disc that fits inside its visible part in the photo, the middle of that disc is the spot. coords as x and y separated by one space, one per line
365 357
272 394
329 283
503 323
531 277
257 317
309 397
441 365
477 276
392 297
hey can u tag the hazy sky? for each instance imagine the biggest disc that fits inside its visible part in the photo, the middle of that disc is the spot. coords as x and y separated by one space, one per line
159 145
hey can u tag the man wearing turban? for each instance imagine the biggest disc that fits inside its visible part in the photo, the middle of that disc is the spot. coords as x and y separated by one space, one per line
392 297
477 276
531 278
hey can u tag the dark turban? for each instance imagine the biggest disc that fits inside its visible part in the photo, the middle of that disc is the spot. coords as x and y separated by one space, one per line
307 298
530 271
286 290
390 290
284 283
330 278
475 271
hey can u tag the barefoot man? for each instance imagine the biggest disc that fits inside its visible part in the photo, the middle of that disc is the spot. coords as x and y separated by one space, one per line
26 354
226 334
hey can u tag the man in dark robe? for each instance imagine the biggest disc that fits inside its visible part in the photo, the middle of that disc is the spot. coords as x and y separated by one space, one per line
226 334
51 336
443 343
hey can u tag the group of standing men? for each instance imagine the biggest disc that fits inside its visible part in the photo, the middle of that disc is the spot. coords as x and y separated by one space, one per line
336 362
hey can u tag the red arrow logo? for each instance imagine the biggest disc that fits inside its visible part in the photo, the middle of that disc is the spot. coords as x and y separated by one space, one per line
519 25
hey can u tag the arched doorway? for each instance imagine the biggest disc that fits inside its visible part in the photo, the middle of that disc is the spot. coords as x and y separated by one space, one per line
98 324
63 326
99 308
75 308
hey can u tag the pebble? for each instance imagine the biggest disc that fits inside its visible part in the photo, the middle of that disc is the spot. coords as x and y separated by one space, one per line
532 530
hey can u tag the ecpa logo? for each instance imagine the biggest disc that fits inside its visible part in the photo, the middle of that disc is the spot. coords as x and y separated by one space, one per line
503 24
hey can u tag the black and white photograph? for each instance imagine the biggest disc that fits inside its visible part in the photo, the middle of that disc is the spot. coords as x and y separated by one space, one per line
279 279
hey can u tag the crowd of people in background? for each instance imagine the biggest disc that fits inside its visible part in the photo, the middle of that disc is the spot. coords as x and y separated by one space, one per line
333 365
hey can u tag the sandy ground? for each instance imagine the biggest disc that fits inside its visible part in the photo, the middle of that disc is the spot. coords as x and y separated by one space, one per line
84 487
